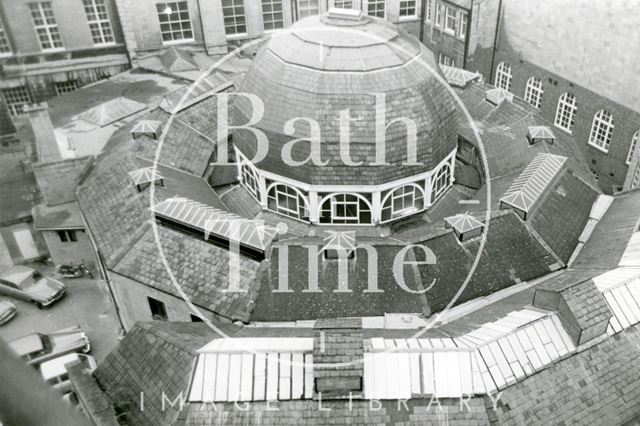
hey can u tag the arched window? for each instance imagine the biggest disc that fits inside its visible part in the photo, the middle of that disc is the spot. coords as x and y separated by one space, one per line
441 182
345 209
633 147
566 111
601 130
402 201
250 180
503 76
533 92
288 201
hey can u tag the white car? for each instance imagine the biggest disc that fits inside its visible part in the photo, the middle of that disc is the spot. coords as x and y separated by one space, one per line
55 374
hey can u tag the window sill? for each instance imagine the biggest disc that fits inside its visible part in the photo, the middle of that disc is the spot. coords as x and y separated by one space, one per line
605 151
109 44
54 50
407 18
6 55
236 36
174 42
449 31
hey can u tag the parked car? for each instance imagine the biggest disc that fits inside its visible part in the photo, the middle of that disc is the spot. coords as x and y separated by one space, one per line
37 348
54 372
7 311
28 284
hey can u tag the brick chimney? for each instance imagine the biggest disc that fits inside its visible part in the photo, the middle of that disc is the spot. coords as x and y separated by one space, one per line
338 341
45 139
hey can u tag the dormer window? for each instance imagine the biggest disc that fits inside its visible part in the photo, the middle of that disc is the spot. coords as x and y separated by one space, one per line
144 177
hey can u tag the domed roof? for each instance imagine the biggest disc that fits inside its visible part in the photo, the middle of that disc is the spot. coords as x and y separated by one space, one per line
323 65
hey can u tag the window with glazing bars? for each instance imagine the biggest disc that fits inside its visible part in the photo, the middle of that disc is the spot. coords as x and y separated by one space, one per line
235 22
99 23
376 8
5 47
45 24
16 98
407 8
272 15
175 22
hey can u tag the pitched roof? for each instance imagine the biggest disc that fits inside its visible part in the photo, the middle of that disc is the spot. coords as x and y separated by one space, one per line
145 175
540 132
58 180
608 242
146 127
498 95
571 391
463 222
112 111
527 188
562 214
504 135
457 76
212 221
152 358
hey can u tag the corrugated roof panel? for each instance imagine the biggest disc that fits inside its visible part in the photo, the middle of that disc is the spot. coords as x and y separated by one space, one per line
527 188
212 221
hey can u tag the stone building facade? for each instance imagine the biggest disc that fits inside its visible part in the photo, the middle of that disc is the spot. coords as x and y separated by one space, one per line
48 48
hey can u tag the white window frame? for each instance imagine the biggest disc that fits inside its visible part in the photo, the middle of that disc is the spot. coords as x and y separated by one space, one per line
99 22
533 92
405 7
334 204
5 46
343 4
441 182
47 30
450 17
601 130
185 24
428 11
446 60
566 112
632 148
278 190
308 8
269 16
234 12
16 98
439 15
503 76
374 7
464 22
415 195
250 179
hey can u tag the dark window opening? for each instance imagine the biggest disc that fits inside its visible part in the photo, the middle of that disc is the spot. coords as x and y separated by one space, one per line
67 236
158 310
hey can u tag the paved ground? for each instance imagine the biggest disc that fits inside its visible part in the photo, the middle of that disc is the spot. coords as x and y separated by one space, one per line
87 303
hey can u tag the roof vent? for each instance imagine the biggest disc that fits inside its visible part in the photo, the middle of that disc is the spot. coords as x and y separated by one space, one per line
527 189
143 178
348 14
540 134
498 95
464 225
150 128
458 77
339 244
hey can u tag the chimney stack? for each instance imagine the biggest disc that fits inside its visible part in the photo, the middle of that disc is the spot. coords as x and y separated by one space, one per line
45 139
